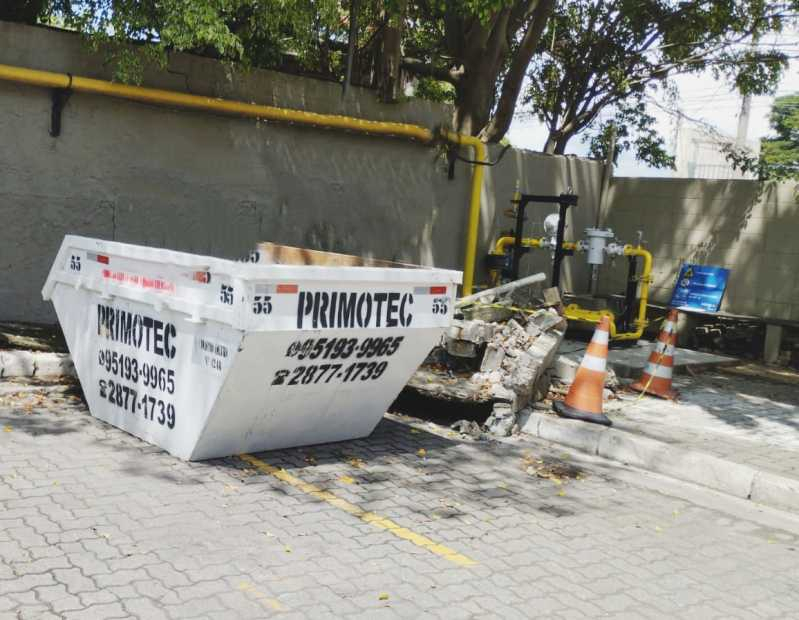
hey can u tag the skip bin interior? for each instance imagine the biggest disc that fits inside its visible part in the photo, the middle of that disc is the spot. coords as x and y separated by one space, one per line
207 357
269 253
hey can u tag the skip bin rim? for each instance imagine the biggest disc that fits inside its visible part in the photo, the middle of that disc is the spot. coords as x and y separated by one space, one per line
245 273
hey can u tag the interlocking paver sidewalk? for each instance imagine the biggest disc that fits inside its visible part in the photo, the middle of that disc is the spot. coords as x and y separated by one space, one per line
743 419
96 524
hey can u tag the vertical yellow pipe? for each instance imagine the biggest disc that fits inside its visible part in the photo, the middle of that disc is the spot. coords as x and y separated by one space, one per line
645 278
473 224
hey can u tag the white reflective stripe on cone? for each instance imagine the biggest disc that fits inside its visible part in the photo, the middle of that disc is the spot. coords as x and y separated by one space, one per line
601 336
668 327
667 350
593 363
653 370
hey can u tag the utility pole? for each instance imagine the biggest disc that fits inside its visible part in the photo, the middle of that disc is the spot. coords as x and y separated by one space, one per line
743 121
746 106
607 175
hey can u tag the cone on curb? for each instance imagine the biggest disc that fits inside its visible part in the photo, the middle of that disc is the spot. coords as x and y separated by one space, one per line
656 376
584 400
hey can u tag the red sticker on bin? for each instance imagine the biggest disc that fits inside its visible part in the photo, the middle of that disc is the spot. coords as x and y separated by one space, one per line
430 290
100 258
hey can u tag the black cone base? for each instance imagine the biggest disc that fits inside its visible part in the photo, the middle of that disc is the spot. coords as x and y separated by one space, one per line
566 411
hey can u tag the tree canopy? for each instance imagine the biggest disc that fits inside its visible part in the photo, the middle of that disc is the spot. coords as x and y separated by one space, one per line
583 66
779 155
610 58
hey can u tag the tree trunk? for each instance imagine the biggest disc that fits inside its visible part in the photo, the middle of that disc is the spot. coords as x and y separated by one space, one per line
498 126
473 95
557 141
389 76
560 145
552 140
485 48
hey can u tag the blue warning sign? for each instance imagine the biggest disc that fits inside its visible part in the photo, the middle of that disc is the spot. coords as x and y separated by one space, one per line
700 287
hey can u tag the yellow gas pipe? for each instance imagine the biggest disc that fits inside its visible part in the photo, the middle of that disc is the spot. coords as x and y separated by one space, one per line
529 242
143 94
645 278
47 79
473 224
574 312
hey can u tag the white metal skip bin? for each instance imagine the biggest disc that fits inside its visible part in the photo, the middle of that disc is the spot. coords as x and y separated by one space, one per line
207 357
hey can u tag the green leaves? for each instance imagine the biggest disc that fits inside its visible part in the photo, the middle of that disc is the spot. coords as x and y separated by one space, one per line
601 57
779 156
250 31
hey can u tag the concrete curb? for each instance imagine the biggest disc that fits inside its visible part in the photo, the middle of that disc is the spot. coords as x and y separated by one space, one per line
652 455
14 363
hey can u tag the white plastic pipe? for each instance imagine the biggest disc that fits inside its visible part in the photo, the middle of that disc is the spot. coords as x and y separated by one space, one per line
500 290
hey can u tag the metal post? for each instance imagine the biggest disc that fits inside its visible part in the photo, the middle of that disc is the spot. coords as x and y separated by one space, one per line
521 204
564 206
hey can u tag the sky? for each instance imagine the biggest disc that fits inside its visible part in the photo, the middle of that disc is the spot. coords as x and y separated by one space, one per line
701 97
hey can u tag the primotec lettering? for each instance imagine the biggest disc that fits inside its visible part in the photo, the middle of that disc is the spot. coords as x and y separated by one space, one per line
340 309
136 330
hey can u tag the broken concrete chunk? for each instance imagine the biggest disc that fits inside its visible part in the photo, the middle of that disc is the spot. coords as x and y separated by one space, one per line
522 380
564 369
551 296
512 356
492 358
460 348
477 331
541 387
501 421
501 393
512 328
532 329
454 331
547 319
468 428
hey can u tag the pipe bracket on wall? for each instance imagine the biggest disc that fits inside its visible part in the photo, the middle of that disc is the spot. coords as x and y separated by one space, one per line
60 96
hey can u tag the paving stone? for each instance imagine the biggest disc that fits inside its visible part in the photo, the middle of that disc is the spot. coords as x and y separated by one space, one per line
175 540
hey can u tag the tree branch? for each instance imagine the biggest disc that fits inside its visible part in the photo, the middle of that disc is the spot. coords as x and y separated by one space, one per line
421 68
512 84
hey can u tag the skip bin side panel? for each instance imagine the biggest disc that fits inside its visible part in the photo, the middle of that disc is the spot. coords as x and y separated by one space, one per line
141 369
283 391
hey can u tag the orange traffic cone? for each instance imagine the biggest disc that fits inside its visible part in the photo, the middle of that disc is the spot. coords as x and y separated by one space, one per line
584 400
656 377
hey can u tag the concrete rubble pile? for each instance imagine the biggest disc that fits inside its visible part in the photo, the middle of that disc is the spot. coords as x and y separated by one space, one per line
502 358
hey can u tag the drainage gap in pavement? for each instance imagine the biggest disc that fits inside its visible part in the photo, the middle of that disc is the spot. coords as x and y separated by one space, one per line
414 404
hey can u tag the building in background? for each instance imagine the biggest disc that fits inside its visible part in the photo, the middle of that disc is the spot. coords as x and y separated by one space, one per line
700 153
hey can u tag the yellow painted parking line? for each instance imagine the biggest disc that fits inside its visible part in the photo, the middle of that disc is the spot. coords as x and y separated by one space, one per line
356 511
265 600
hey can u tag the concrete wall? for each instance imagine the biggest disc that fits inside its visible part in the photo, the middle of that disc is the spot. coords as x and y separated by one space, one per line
216 185
743 225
